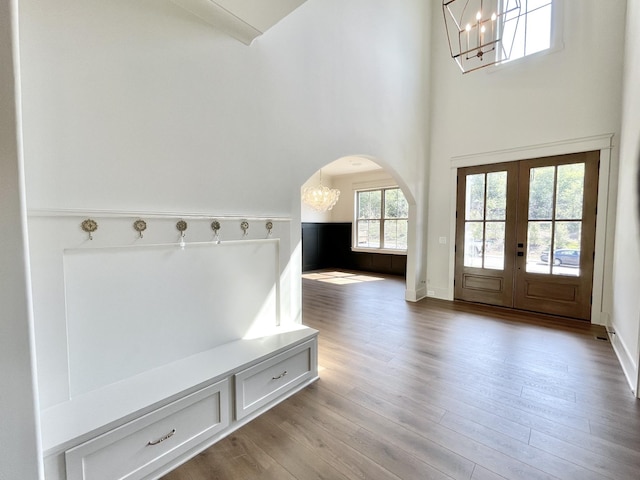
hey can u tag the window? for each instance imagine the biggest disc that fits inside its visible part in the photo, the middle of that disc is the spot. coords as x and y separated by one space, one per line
382 219
532 29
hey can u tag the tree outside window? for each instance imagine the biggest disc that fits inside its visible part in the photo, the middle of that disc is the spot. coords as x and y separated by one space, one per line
382 219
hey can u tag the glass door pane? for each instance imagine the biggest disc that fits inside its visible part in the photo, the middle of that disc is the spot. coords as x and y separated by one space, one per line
555 218
485 220
538 246
473 235
474 203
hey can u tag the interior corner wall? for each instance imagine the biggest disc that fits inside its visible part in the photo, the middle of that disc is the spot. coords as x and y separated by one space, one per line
625 320
19 437
571 92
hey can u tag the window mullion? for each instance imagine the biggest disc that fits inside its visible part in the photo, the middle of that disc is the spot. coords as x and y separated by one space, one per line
382 207
524 47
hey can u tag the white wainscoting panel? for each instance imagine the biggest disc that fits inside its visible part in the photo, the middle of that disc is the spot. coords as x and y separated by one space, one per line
131 309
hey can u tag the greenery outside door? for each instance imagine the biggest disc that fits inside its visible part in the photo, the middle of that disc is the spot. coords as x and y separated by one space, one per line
526 233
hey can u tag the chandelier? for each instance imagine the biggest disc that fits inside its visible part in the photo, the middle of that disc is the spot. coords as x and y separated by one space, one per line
480 32
320 198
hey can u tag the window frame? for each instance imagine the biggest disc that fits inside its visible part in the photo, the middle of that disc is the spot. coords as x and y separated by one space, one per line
555 39
382 249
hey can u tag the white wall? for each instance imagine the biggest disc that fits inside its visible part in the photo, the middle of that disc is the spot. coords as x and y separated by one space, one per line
19 437
141 108
140 105
90 293
571 93
626 302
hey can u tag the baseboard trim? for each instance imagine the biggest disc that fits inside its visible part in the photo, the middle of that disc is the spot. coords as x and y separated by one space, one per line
415 295
629 367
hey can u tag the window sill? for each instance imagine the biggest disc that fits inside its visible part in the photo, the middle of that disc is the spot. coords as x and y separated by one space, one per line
532 57
379 250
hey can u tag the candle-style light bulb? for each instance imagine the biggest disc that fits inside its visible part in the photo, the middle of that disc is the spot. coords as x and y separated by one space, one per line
478 15
468 29
493 19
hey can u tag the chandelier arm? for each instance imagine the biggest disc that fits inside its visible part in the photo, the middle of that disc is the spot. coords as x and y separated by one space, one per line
476 31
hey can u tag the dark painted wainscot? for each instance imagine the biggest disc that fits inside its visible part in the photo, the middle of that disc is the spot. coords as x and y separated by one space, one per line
328 245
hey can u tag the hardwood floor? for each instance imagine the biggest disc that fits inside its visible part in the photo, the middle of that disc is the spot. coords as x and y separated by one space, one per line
439 390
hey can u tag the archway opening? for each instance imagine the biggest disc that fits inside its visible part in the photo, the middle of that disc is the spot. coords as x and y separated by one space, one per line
369 230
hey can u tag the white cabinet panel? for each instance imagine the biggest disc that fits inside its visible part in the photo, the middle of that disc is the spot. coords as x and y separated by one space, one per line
264 382
130 309
140 447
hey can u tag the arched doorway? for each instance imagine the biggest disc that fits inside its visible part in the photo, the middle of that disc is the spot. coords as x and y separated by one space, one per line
343 237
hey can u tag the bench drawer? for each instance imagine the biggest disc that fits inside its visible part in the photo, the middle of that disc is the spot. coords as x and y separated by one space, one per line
138 448
260 384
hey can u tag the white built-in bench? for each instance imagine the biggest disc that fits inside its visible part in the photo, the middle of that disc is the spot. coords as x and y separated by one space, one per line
144 426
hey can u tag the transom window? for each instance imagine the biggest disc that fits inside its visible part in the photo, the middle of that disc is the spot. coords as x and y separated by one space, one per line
382 217
532 29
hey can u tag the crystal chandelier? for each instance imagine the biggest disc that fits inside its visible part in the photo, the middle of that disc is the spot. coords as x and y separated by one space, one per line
480 32
320 198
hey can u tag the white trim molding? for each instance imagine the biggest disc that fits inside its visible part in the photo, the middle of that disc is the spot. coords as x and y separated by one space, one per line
562 147
51 212
627 362
637 389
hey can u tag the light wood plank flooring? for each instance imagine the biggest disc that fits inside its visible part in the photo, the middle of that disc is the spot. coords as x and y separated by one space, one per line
439 390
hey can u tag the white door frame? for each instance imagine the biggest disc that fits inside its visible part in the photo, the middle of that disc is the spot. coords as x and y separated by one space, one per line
603 143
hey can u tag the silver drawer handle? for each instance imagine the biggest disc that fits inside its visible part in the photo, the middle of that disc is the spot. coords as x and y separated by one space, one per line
168 435
279 376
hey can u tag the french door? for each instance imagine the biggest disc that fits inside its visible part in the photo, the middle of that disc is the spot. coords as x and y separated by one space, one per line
525 234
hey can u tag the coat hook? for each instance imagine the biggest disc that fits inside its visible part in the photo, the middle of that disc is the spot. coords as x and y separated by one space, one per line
140 226
245 227
89 226
182 226
269 226
215 226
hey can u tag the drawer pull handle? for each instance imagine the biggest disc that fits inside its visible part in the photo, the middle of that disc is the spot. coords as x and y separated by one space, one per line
168 435
279 376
